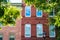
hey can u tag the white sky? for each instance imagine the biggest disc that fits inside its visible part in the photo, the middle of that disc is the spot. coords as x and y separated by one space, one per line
16 1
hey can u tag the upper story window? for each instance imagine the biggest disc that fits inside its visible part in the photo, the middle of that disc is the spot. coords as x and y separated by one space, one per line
52 31
52 13
27 30
27 11
39 29
1 37
12 37
39 13
15 1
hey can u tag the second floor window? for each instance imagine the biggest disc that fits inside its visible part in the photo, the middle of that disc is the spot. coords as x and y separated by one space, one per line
28 11
39 13
52 13
27 30
39 30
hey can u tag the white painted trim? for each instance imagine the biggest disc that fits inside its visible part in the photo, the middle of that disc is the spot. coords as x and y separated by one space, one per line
30 30
41 12
25 11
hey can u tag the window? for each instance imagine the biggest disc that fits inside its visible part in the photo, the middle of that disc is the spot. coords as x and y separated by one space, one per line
15 1
39 13
51 31
27 30
1 24
1 37
51 14
28 11
12 37
39 30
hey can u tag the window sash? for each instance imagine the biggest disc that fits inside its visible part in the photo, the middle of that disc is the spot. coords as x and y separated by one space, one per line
52 13
39 30
27 11
11 39
51 31
1 37
27 30
39 13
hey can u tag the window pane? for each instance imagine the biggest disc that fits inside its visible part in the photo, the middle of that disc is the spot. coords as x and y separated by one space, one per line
39 30
1 24
12 37
27 11
39 13
27 30
51 14
1 37
52 31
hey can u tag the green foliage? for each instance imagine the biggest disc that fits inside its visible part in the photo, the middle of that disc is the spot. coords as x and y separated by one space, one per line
8 14
58 33
1 11
42 4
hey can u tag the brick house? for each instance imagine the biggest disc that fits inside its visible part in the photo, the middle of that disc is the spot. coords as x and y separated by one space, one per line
32 26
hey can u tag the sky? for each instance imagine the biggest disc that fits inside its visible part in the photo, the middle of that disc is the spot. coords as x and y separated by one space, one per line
16 1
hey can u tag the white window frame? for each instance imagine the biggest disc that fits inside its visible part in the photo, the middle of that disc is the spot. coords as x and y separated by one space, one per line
52 30
53 14
30 30
25 11
41 12
36 30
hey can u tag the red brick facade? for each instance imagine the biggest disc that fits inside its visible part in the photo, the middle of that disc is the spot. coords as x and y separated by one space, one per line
33 20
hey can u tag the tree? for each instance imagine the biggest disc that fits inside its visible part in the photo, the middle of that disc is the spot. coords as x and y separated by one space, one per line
8 13
47 6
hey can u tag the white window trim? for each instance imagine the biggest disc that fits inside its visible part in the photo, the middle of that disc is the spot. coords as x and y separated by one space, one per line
36 30
36 13
25 11
54 33
30 30
53 14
